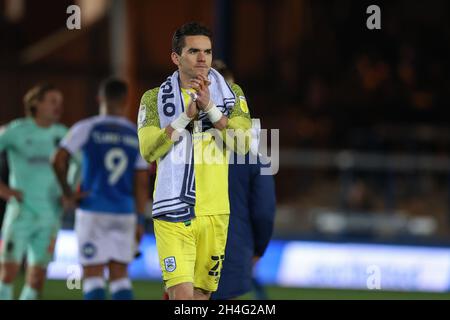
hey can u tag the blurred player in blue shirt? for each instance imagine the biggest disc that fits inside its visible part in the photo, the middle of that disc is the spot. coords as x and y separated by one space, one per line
114 190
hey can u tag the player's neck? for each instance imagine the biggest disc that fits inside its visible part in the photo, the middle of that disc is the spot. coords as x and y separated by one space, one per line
111 111
43 123
184 80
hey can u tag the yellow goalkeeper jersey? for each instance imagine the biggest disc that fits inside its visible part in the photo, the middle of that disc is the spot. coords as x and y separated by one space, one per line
210 161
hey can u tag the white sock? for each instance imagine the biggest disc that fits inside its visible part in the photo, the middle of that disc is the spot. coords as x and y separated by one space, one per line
119 284
93 283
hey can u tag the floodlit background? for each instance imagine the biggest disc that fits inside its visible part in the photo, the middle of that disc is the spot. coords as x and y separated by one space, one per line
363 186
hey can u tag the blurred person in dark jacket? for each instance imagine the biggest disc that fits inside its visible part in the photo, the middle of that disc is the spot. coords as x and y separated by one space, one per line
252 212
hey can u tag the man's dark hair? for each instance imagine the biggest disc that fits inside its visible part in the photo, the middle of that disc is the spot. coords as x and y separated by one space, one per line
188 29
113 89
34 95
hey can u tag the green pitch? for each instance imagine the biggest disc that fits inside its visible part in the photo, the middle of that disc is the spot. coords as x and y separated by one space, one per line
151 290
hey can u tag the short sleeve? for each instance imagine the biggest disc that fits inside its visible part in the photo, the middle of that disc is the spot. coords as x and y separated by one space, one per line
141 164
5 137
77 137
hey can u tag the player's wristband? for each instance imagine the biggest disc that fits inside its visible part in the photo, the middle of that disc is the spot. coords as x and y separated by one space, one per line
181 122
140 219
213 112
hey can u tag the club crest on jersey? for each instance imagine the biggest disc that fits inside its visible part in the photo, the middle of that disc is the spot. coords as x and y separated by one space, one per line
89 250
170 264
141 116
243 104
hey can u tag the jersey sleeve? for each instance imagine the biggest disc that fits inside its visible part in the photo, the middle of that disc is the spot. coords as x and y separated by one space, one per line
240 124
153 140
5 137
76 138
240 112
141 164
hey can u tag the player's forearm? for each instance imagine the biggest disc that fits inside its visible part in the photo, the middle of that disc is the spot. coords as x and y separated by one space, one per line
141 191
217 118
153 143
61 174
239 123
61 167
237 135
222 123
4 191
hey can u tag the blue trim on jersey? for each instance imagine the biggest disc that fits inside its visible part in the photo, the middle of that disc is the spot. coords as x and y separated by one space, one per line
169 205
165 200
177 216
188 187
180 93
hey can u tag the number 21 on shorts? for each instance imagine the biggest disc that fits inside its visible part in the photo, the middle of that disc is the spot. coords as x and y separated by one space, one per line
215 270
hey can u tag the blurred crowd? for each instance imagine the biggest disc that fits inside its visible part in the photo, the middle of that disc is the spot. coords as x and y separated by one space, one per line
377 90
381 92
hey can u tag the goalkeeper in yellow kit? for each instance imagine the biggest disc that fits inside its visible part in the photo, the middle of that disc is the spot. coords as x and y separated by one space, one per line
191 207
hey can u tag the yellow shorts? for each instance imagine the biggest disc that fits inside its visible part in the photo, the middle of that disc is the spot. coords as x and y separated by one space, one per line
192 253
